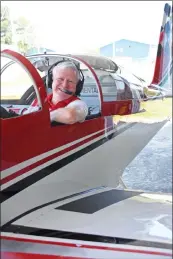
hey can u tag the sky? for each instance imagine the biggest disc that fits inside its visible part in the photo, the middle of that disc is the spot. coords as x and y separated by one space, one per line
74 26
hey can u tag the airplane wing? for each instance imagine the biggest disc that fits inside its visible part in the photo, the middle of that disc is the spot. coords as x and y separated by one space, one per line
97 223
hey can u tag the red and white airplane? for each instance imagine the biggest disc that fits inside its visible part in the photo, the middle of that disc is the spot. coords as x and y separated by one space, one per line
58 182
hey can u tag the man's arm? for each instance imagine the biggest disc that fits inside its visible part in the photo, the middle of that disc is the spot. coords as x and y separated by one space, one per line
74 112
64 115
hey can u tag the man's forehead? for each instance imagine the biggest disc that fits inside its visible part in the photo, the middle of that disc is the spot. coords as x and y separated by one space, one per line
59 70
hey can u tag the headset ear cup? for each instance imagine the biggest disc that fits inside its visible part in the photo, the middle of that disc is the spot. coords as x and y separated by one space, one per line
49 80
80 84
79 87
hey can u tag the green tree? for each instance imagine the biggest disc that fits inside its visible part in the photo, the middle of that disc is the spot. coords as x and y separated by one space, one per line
25 32
23 46
6 33
20 31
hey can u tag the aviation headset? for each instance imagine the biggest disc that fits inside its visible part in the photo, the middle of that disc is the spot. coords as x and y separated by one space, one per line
79 85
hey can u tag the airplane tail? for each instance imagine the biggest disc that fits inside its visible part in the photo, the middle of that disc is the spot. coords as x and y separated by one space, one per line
163 65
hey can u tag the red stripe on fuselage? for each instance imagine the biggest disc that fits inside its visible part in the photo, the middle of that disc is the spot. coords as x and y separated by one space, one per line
14 255
46 159
118 249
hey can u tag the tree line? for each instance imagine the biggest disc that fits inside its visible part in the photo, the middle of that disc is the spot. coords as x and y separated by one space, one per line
19 32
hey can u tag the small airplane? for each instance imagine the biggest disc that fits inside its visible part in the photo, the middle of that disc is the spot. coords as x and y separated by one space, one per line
59 194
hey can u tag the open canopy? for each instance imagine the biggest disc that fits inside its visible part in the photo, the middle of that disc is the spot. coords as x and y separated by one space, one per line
96 62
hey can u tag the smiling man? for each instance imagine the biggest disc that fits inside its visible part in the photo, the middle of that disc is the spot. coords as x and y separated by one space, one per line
64 105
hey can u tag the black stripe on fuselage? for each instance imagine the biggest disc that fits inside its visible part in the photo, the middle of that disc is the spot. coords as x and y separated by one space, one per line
37 176
41 232
96 202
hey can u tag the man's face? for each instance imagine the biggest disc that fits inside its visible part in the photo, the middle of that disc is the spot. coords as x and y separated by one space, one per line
64 79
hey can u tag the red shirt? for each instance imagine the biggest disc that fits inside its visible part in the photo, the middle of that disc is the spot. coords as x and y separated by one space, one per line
60 104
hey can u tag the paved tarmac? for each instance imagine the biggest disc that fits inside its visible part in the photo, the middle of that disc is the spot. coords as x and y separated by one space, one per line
151 170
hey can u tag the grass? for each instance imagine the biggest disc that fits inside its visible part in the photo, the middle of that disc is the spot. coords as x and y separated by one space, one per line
154 110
